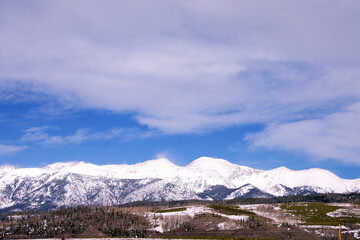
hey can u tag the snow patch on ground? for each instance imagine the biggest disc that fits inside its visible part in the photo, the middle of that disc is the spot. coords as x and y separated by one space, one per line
160 220
318 230
323 226
356 233
234 217
338 213
190 211
347 210
228 226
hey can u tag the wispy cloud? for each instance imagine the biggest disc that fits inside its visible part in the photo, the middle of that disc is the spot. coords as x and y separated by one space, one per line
9 149
215 65
336 136
41 136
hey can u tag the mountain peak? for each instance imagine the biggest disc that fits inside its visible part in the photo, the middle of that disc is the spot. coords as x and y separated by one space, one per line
208 163
7 167
160 161
282 169
62 165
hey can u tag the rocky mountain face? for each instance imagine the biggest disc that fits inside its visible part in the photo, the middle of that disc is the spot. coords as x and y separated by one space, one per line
78 183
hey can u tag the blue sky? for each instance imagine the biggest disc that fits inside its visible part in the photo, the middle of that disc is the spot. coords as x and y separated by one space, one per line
265 84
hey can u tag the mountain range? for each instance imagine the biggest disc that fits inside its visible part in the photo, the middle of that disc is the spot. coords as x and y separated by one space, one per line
68 184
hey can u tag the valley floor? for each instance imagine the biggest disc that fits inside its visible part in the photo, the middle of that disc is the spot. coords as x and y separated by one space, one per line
302 220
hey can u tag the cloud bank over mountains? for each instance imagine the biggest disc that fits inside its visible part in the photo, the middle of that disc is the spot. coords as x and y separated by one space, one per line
335 136
188 67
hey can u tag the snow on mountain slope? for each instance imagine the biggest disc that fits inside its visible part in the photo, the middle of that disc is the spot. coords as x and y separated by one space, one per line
204 172
249 191
158 168
228 174
76 183
322 180
354 185
169 191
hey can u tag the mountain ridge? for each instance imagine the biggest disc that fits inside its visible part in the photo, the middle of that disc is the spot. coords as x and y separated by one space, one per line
65 184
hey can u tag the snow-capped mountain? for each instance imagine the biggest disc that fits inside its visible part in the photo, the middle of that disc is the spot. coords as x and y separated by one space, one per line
78 183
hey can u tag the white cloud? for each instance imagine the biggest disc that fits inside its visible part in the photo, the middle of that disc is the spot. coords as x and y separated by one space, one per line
183 66
336 136
9 149
41 136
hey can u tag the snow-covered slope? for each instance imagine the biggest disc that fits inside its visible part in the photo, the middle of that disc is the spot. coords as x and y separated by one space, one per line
78 183
321 180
